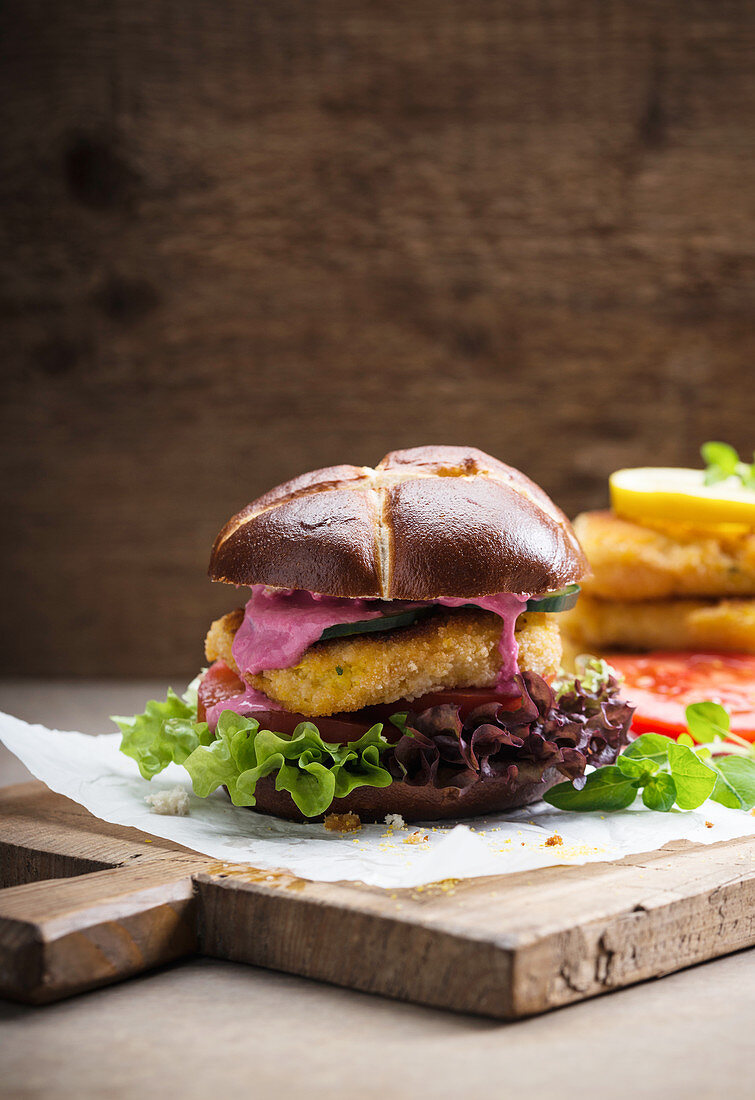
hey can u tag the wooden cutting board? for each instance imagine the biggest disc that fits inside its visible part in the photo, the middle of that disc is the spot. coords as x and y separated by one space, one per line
85 903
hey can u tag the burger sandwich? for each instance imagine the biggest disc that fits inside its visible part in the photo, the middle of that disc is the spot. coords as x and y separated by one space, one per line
397 651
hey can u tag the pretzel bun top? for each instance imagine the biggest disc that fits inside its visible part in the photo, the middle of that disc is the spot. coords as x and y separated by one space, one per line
426 522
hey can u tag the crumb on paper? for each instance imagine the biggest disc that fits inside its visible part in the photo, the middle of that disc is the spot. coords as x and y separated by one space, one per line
395 821
173 803
708 824
342 823
554 840
416 838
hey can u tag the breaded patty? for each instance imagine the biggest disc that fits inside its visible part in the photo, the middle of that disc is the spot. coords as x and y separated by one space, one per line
602 625
452 649
633 562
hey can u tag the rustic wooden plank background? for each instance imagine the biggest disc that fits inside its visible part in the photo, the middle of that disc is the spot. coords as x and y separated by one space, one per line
244 239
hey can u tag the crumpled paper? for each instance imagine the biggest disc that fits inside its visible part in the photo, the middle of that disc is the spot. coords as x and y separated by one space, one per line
92 771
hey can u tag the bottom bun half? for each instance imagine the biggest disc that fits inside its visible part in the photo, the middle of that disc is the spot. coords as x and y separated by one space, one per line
486 796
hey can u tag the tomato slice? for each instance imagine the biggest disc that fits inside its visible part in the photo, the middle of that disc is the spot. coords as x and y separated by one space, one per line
464 698
340 728
335 730
221 682
662 684
218 683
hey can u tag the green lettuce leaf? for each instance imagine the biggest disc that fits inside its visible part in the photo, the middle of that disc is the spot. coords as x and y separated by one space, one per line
166 733
313 771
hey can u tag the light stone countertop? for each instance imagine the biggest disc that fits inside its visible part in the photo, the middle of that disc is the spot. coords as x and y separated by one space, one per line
211 1028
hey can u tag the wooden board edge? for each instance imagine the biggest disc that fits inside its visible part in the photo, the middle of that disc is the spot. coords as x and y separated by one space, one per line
113 925
651 941
354 943
353 947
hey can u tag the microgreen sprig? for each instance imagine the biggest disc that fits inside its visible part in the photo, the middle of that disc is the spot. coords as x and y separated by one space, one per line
722 462
706 762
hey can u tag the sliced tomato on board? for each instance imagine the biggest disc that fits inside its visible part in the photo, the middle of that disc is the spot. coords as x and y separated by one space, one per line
663 684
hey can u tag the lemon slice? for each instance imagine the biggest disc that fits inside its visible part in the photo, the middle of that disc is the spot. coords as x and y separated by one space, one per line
681 496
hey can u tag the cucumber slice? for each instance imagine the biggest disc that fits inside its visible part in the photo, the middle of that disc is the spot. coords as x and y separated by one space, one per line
371 626
555 601
551 601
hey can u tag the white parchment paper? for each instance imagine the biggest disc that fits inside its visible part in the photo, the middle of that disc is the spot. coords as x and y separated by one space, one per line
92 772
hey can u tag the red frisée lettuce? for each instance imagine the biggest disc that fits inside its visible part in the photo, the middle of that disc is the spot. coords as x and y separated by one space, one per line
559 731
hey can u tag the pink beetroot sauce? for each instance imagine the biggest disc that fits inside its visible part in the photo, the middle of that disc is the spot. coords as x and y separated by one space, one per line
281 624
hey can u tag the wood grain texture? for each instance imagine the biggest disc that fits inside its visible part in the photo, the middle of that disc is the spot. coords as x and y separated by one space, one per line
58 938
505 947
245 240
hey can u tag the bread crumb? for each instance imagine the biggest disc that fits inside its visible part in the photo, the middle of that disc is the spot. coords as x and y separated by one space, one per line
395 821
708 824
552 841
342 823
416 838
174 802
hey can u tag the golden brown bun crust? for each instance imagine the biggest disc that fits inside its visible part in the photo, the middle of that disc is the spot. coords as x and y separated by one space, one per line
427 522
486 796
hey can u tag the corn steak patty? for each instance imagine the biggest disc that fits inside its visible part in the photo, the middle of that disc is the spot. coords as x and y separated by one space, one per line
601 625
633 562
456 648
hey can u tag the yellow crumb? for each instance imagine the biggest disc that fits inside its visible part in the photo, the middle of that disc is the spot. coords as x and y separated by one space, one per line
416 838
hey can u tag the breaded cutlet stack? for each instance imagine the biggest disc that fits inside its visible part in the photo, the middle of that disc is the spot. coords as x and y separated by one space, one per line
664 585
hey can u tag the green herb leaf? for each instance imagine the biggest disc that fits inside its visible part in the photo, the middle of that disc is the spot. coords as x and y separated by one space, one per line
593 673
722 462
738 773
607 788
694 780
659 793
707 721
724 793
652 746
640 767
